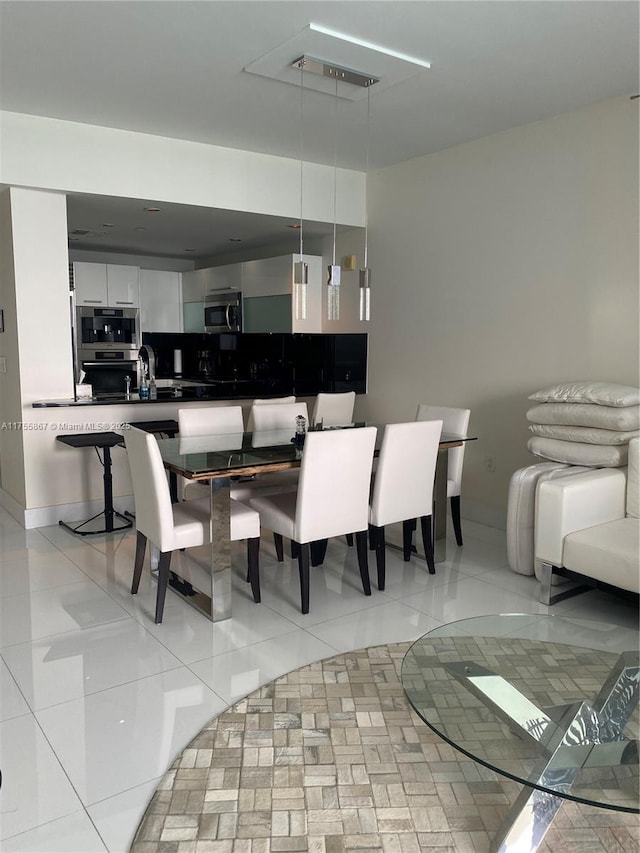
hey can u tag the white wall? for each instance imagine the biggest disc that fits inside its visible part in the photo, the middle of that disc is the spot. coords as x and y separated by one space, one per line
499 267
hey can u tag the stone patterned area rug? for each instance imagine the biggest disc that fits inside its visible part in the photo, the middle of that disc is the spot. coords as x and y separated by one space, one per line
331 758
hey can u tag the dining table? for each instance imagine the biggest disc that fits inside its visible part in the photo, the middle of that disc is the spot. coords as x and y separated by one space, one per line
220 460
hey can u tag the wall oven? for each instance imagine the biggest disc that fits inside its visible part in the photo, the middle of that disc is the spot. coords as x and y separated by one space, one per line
107 328
223 311
106 370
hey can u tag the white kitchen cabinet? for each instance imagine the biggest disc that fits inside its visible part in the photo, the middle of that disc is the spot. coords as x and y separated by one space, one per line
198 284
112 285
160 301
269 302
226 277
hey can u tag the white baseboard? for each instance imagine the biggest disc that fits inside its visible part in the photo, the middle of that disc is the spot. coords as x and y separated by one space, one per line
44 516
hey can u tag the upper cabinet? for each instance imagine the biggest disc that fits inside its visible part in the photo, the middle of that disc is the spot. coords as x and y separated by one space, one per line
270 301
160 301
198 284
111 285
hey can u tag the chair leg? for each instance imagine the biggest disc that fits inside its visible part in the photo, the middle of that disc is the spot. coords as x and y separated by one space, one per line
294 550
363 562
427 541
318 551
455 518
304 552
277 541
141 546
163 580
408 526
253 564
377 533
349 538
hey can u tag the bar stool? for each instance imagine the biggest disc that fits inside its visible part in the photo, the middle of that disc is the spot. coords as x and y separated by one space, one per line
104 440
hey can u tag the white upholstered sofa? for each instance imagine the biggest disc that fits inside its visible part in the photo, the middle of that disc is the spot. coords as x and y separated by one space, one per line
588 524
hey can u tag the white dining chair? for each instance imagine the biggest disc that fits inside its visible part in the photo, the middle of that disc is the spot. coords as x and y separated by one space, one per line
273 401
332 499
334 409
403 488
171 527
210 420
456 422
277 416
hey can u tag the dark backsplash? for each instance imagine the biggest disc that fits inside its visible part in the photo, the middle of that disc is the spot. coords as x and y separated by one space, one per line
276 363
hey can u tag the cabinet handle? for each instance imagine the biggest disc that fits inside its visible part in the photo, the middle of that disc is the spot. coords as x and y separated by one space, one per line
120 302
93 301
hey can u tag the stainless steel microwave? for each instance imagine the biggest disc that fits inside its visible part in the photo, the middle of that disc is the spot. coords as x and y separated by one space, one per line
223 311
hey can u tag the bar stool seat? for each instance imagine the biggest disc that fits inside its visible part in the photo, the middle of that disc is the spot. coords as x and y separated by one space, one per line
105 441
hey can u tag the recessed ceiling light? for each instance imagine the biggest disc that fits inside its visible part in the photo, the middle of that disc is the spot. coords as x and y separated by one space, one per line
235 239
108 225
318 28
152 209
139 228
189 250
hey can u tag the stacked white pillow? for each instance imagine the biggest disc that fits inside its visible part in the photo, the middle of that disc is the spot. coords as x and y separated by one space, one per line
584 423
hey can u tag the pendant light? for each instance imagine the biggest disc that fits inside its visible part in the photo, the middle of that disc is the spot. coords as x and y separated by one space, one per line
333 282
300 268
365 272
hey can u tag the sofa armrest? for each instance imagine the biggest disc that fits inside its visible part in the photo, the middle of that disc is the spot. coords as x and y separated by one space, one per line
575 503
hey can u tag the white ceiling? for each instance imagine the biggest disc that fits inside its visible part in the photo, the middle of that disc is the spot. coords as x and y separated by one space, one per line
176 69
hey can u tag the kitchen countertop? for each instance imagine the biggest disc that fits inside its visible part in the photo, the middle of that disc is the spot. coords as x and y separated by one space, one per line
220 390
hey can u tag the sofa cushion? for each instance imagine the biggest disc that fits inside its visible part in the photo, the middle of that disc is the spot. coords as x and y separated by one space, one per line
633 479
586 415
577 453
600 393
607 552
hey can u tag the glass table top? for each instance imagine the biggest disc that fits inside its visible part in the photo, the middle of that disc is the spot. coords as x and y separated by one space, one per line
549 701
232 452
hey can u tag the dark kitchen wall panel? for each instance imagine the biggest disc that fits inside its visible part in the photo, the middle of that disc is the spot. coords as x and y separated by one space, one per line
266 363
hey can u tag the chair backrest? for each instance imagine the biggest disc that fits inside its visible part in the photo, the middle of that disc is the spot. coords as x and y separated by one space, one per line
333 489
334 409
403 486
278 416
455 421
211 420
633 479
154 515
274 401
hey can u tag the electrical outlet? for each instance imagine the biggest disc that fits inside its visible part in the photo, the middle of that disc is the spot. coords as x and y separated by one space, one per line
490 463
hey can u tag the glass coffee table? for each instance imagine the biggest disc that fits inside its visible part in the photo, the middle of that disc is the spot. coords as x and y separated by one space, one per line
551 702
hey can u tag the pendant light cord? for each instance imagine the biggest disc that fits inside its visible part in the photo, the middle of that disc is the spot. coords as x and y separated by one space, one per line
301 146
335 172
366 182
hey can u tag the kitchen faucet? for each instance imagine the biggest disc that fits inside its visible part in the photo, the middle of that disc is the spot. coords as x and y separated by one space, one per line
148 361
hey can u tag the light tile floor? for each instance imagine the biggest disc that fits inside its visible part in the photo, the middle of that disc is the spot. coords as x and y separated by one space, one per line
96 700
